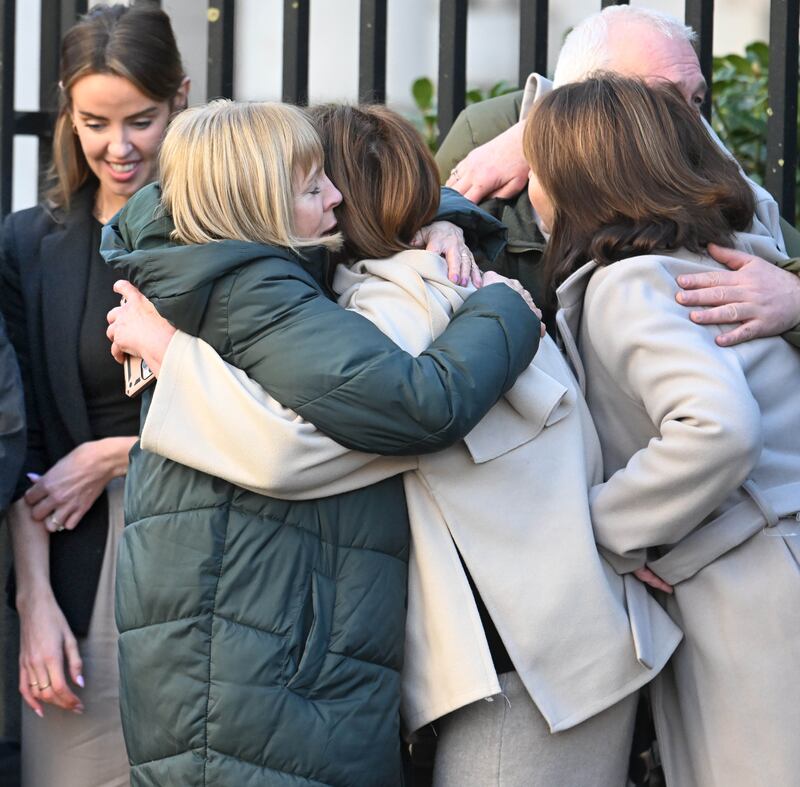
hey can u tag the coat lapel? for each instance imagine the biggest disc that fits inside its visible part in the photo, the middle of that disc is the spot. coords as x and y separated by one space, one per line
65 258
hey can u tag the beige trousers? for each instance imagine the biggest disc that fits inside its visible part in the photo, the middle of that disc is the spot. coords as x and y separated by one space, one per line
67 750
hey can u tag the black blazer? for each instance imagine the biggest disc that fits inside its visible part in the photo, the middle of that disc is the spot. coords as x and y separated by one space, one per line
44 272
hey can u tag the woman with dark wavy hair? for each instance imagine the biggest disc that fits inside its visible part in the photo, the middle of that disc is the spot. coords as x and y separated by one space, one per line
700 442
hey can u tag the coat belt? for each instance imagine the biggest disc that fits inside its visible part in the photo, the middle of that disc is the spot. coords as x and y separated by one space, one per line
763 508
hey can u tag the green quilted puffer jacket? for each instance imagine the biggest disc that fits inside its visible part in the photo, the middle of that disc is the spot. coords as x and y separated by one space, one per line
261 640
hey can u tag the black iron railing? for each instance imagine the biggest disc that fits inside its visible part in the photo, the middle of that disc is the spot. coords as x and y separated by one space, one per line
57 15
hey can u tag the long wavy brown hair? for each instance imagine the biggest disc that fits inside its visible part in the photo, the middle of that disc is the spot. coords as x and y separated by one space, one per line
630 170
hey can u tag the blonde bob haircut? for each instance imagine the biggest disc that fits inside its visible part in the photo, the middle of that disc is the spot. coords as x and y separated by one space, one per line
230 170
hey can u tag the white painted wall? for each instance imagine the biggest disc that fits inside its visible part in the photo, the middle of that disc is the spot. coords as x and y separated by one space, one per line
492 50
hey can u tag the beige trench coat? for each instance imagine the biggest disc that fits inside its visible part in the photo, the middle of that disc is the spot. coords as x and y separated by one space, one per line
701 447
512 499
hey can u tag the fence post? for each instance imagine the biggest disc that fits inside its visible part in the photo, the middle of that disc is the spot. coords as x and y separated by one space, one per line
372 52
452 62
295 51
533 20
219 65
782 111
699 16
7 24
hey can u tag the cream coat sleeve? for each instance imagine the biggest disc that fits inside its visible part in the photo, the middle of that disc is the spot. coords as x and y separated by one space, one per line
659 365
210 416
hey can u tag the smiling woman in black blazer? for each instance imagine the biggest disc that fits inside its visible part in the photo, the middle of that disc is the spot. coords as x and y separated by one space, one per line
121 80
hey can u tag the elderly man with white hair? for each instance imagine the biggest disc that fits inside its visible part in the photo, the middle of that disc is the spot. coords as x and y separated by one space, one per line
482 158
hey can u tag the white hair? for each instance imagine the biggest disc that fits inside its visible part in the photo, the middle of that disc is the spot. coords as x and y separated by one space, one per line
585 50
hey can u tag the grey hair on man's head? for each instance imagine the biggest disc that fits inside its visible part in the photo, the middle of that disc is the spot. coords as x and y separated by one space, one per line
585 50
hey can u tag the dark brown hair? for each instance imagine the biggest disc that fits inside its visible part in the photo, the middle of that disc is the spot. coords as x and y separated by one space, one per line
387 176
136 43
630 170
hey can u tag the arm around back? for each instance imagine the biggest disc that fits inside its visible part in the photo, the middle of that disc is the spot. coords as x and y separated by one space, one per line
474 126
338 371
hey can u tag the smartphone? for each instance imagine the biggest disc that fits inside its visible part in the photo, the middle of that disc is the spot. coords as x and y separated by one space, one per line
138 375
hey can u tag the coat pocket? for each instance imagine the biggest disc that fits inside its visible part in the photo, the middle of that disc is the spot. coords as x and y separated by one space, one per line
323 597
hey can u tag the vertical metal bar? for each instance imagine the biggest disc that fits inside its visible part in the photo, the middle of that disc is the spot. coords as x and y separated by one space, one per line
699 15
784 20
7 23
219 67
452 62
71 10
49 51
372 52
295 51
533 19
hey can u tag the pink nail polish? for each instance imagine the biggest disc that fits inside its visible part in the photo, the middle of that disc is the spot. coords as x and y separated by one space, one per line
33 477
79 681
38 712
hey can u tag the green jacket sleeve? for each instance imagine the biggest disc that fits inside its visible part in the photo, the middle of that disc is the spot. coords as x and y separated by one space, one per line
791 238
483 233
338 371
474 126
793 266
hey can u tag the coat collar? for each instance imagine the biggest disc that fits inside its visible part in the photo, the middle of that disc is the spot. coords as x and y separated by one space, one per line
568 319
66 255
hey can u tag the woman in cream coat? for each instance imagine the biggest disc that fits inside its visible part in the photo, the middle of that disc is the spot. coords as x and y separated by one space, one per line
511 501
700 443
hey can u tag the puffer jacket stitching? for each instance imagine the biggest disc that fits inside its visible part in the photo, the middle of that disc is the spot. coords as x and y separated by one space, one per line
311 782
215 614
268 517
303 776
211 641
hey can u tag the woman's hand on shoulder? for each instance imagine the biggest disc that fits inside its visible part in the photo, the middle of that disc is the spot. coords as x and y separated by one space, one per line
62 496
136 328
490 277
447 240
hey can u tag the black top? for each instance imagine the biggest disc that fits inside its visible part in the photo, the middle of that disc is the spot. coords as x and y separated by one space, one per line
500 658
12 420
111 412
46 260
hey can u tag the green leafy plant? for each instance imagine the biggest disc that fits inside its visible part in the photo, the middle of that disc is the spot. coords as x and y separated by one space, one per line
424 93
740 107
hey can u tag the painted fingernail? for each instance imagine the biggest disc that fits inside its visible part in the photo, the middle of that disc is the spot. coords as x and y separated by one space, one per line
33 477
78 710
79 681
38 712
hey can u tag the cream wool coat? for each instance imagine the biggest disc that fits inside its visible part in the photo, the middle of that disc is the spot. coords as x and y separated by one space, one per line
702 453
512 499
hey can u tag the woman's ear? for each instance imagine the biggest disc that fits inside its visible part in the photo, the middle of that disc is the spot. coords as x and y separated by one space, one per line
181 98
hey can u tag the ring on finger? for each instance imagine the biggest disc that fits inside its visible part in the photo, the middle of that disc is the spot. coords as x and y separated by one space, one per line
56 523
45 686
34 684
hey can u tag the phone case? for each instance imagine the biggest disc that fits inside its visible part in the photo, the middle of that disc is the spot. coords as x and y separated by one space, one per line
138 375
